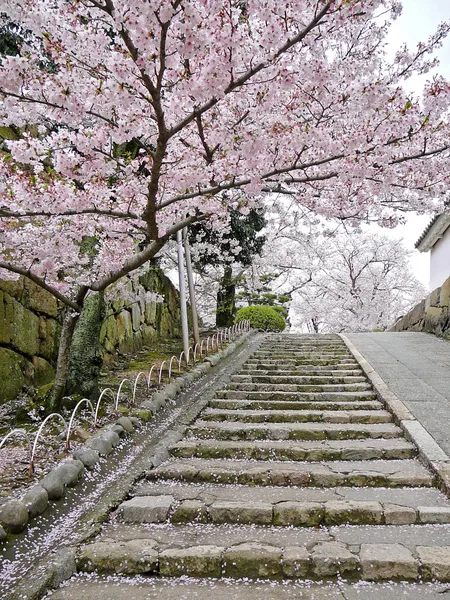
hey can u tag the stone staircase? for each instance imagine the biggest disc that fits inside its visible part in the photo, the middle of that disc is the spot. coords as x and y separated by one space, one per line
293 473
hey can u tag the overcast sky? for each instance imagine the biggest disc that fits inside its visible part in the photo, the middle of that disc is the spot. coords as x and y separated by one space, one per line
418 21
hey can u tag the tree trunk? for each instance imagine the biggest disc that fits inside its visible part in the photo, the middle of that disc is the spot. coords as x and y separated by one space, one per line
62 365
65 342
226 300
85 360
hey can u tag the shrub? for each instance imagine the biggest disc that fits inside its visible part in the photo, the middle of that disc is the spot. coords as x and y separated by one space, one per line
261 317
281 310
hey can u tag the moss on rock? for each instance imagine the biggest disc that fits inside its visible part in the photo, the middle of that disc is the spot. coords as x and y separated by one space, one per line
85 354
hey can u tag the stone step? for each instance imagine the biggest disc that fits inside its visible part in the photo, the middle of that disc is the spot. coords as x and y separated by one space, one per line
347 363
92 587
292 387
279 513
296 416
301 354
370 449
376 473
267 553
300 396
224 404
207 493
315 372
298 379
291 431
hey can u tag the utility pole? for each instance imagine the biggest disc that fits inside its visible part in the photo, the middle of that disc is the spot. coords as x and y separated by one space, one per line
183 308
190 278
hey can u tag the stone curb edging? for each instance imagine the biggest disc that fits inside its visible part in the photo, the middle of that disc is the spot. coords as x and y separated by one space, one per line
15 514
430 452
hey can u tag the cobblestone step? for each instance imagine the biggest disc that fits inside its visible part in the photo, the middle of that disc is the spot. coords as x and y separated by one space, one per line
243 551
297 416
208 493
291 431
285 513
224 404
305 362
302 379
291 387
311 396
296 371
376 473
92 587
370 449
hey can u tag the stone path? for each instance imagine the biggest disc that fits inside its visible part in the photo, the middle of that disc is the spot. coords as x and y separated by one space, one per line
416 367
294 472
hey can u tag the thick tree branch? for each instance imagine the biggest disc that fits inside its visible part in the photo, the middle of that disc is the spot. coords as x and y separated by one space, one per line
40 281
142 257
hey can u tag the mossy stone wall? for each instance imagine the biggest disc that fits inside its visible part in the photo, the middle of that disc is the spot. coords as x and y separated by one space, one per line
29 333
131 325
431 315
30 326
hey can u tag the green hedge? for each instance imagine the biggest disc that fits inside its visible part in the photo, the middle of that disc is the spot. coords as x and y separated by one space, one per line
261 317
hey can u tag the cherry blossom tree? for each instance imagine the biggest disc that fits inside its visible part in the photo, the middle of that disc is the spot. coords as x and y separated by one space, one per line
340 279
147 112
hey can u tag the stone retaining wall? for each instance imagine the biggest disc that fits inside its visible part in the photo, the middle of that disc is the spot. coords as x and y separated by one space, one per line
30 325
432 315
131 324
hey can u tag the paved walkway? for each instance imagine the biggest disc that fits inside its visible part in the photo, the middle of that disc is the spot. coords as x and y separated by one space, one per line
416 368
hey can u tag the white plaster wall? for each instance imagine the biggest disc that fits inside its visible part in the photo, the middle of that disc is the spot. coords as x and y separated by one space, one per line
440 261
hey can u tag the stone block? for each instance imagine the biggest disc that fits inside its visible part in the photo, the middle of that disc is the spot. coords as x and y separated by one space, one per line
356 513
135 316
6 318
150 313
126 558
24 329
39 300
53 484
416 314
111 437
118 429
124 329
36 500
444 298
435 562
11 374
49 333
126 423
147 509
259 513
253 560
13 288
433 298
387 561
13 516
70 471
298 514
434 514
112 332
296 562
87 456
399 515
197 561
3 534
333 558
149 333
100 445
43 371
189 511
